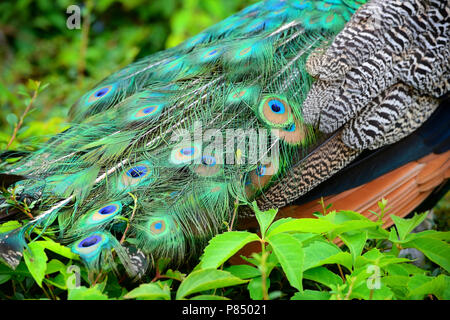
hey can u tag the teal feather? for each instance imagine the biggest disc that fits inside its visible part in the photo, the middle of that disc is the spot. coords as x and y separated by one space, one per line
126 142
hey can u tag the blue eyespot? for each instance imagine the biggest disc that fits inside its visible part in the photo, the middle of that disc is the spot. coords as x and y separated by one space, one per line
148 110
277 106
187 151
137 172
261 171
90 241
209 161
158 225
291 128
108 209
101 92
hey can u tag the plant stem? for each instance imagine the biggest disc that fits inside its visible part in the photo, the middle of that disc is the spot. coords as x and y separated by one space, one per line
131 218
350 289
263 270
341 273
22 117
236 206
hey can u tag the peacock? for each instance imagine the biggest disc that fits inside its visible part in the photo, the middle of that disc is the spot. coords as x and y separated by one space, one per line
259 109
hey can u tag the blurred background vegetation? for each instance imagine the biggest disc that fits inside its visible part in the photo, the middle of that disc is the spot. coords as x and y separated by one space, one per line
35 43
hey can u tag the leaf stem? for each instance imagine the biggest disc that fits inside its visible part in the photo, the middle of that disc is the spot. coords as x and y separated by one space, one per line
131 218
22 117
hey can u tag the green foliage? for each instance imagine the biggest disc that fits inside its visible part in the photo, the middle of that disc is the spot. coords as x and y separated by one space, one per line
299 260
35 43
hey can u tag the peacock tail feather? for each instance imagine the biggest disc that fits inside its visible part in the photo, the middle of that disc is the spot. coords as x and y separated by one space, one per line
162 142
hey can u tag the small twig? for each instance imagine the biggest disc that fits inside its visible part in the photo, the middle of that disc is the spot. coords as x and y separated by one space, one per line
350 289
341 273
236 206
96 279
46 294
131 218
22 117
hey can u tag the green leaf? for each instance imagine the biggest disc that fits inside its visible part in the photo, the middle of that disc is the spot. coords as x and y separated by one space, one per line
255 288
83 293
4 278
355 242
55 266
264 218
223 246
306 238
353 226
324 276
339 217
244 271
435 250
362 291
177 275
309 225
311 295
149 291
206 279
36 261
438 235
12 119
317 252
438 286
208 297
8 226
405 226
342 258
290 254
60 281
59 249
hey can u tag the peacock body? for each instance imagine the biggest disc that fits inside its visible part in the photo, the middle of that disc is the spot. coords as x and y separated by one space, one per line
160 153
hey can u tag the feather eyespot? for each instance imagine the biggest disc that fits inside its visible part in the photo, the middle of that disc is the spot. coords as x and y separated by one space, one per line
277 106
137 175
261 176
209 166
212 52
209 161
240 94
261 171
137 172
158 227
294 134
100 93
330 18
245 51
276 112
107 210
89 241
291 128
184 154
90 247
151 111
102 215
